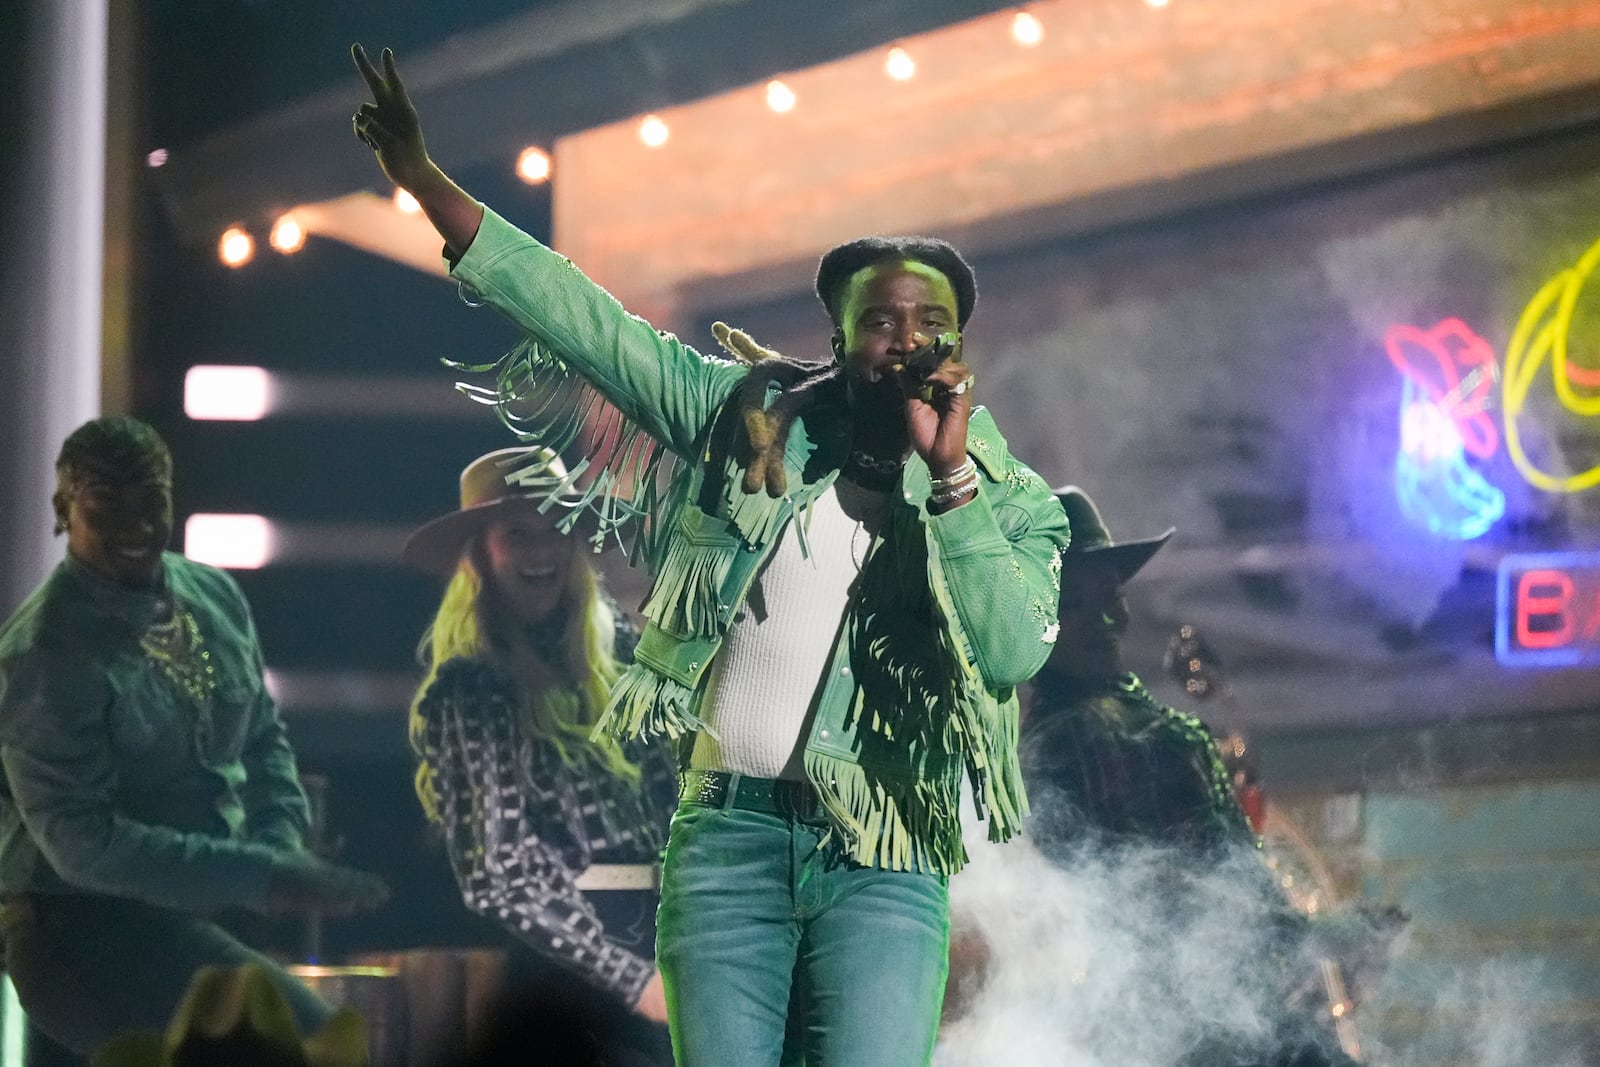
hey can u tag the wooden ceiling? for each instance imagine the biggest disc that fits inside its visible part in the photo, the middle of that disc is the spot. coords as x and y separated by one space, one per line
1122 111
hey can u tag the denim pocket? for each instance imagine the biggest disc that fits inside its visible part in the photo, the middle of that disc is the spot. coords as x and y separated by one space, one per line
711 848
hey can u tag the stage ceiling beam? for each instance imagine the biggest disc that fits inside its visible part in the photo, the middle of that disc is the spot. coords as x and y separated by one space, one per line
1122 112
486 94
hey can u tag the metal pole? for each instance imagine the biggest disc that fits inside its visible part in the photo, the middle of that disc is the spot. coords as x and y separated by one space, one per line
51 222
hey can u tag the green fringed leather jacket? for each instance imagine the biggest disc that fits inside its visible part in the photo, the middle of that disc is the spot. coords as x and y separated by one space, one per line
952 612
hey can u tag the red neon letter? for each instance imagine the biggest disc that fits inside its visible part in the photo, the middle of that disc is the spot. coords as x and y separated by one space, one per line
1543 595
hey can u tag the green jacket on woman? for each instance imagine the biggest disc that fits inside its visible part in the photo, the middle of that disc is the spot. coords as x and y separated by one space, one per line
951 612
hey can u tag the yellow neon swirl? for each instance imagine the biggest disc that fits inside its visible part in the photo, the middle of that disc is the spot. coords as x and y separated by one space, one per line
1532 343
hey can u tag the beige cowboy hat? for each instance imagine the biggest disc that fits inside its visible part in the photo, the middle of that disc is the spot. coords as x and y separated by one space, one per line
488 484
237 1015
1090 537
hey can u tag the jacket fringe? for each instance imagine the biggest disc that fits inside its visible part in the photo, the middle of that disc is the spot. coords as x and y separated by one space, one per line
988 727
757 516
941 707
903 825
645 704
687 592
544 402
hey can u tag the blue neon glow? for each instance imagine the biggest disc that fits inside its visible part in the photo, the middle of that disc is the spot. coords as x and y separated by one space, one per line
1437 489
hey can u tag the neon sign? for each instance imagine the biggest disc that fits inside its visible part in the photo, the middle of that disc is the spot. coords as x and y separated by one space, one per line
1436 487
1541 337
1448 374
1455 369
1548 609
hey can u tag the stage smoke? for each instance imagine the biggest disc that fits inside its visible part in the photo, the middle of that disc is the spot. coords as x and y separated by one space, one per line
1137 956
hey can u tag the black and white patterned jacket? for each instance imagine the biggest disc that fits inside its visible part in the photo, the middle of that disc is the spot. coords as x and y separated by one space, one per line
520 824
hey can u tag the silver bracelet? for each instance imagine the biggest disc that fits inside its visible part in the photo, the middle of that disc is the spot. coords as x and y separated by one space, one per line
952 495
968 469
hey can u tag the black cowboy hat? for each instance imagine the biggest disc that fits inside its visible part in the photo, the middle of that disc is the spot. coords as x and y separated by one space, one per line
1091 538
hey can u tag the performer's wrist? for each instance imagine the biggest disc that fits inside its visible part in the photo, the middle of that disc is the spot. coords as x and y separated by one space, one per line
947 497
426 180
949 476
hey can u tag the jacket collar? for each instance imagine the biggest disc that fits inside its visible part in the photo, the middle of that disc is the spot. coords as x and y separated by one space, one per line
137 607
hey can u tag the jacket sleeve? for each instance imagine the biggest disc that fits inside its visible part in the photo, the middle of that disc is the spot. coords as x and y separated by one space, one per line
657 381
1000 554
56 749
276 811
495 825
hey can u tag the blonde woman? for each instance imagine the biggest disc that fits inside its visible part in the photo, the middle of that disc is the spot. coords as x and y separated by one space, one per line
550 833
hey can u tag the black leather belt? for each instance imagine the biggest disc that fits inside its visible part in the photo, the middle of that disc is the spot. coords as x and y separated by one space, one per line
773 796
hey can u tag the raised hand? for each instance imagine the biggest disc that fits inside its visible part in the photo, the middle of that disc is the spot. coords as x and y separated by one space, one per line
937 408
300 882
389 125
390 128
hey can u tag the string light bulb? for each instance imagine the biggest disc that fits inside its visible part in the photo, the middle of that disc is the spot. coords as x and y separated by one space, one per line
1026 29
653 131
236 247
287 236
533 165
900 66
405 203
780 97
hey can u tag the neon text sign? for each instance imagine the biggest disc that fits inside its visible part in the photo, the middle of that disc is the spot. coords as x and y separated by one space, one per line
1548 609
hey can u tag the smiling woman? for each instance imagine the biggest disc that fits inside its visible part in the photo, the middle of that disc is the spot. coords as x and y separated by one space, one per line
550 832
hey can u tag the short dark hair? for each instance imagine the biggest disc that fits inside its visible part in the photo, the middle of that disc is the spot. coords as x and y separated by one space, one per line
840 264
115 449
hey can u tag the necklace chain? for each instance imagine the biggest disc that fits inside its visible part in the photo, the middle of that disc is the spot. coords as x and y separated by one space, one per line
873 463
870 472
178 650
854 533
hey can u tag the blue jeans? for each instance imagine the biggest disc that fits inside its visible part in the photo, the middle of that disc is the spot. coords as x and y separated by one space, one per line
753 910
